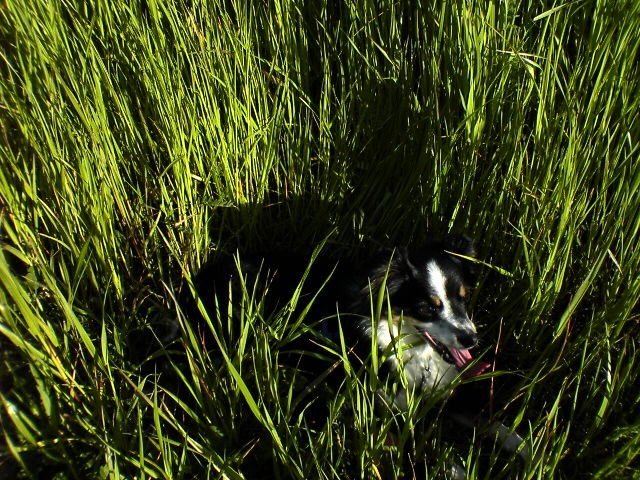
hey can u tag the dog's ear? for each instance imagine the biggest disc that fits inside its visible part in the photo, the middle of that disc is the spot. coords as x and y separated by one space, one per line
391 266
460 244
402 263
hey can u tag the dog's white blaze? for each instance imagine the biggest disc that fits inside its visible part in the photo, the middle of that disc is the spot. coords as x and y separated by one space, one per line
442 331
438 280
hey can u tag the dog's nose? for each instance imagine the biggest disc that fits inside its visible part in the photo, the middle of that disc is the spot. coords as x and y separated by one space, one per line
467 339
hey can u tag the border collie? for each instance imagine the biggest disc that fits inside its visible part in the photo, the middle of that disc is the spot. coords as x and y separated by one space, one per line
424 333
428 333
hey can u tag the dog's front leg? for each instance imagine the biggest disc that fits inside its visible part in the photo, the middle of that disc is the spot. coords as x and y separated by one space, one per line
509 440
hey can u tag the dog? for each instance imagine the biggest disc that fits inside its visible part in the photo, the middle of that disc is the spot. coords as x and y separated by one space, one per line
423 332
426 332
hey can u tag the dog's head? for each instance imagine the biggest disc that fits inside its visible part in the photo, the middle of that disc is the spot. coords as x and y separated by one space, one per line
431 288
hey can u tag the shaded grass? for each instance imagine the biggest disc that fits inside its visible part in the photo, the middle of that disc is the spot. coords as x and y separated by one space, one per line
140 139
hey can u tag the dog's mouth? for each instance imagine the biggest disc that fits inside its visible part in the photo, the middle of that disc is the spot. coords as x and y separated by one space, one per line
461 358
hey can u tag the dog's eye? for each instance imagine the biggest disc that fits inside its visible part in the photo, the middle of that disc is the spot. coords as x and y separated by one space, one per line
424 309
429 308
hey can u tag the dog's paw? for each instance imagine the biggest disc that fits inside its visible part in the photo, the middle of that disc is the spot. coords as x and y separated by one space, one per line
456 472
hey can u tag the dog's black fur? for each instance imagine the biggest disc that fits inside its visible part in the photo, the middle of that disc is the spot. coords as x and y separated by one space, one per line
433 315
426 333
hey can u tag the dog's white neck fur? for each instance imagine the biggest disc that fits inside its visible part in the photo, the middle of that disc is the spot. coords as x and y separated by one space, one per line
408 352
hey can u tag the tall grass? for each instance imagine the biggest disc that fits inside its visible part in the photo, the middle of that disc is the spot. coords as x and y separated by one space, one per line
140 139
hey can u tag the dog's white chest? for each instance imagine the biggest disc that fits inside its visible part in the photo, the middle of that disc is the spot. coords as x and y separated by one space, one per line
425 368
424 371
409 355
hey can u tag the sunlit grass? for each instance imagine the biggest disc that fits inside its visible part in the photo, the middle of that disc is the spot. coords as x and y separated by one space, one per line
140 139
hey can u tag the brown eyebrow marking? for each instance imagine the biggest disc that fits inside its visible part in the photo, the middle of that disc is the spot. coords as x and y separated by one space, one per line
463 291
436 301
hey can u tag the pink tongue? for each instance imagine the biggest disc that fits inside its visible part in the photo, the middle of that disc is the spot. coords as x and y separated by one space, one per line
462 358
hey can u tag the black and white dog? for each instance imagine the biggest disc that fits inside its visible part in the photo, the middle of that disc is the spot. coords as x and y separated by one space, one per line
426 332
423 332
